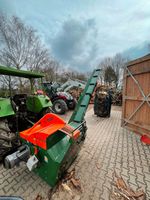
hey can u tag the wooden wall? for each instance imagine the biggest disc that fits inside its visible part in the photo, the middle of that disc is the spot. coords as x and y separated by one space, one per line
136 111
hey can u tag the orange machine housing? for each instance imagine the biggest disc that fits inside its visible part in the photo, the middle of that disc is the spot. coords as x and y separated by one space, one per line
45 127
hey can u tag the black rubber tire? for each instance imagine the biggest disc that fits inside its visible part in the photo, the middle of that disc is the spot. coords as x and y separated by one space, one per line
46 110
73 105
59 106
5 143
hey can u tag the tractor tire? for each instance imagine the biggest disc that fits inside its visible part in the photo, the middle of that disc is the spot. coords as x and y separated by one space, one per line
46 110
72 105
5 147
7 139
59 106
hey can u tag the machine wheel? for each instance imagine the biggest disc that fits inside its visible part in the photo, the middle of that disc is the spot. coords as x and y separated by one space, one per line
46 110
5 147
7 139
72 105
59 106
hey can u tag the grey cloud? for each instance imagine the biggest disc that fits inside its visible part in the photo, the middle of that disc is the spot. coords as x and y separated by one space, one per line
75 44
80 33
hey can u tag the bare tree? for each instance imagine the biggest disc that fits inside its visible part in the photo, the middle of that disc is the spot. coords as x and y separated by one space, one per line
112 65
103 65
118 64
109 75
52 69
74 74
20 46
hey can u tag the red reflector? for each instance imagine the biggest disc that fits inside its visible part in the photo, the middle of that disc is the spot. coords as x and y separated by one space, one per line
145 139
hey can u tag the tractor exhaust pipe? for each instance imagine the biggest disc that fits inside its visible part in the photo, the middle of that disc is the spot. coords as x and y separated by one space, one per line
14 159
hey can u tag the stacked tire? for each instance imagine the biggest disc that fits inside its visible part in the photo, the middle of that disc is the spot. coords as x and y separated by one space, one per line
102 104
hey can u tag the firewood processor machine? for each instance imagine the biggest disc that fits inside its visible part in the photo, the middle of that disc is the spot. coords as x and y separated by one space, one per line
51 145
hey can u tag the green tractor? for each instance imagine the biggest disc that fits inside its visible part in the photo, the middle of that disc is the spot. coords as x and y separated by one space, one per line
20 111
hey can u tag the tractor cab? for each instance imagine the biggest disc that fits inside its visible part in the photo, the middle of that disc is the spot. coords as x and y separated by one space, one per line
50 88
31 102
62 101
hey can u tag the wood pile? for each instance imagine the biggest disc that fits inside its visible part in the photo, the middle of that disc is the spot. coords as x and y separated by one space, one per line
76 92
117 98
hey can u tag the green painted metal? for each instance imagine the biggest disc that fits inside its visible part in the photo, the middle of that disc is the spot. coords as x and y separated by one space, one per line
6 107
20 73
51 159
80 110
62 149
36 103
61 152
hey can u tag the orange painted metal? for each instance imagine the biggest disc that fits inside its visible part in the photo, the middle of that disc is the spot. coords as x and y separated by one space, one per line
41 130
45 127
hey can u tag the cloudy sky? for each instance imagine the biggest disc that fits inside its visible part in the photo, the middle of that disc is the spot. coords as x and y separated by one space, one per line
80 33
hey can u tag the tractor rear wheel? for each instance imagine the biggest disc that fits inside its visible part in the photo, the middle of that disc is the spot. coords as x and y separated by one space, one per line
59 106
72 105
46 110
7 139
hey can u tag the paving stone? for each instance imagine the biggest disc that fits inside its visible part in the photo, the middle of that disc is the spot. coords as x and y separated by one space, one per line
125 165
147 178
143 186
138 164
132 179
1 192
131 164
146 169
139 170
140 178
125 171
132 171
108 148
105 194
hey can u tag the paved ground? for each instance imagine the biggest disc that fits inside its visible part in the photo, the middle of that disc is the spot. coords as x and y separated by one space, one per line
107 148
